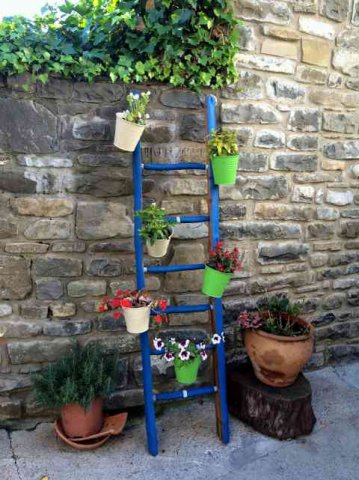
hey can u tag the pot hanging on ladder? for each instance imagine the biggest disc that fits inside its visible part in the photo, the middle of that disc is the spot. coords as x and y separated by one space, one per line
215 282
224 169
127 134
187 371
137 319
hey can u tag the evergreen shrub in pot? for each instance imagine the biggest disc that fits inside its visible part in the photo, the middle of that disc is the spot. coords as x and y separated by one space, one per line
76 384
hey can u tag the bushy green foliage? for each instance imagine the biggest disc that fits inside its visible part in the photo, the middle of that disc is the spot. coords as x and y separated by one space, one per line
155 225
80 377
223 142
188 43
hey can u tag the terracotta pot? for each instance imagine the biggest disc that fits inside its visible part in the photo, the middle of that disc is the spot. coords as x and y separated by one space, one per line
78 422
278 360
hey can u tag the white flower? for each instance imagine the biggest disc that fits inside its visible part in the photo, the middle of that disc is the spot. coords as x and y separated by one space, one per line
147 116
172 341
136 96
153 204
183 344
223 337
184 355
216 339
140 115
204 355
158 344
148 92
168 356
127 112
201 346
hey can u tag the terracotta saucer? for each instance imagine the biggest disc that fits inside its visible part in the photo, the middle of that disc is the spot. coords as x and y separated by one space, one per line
113 425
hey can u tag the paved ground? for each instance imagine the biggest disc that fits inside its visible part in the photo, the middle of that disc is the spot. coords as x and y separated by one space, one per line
191 450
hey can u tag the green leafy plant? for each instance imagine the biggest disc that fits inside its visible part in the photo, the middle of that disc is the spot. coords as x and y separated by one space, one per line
80 377
278 305
190 43
137 107
155 225
223 142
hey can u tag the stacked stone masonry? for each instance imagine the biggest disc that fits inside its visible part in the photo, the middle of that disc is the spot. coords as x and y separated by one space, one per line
66 223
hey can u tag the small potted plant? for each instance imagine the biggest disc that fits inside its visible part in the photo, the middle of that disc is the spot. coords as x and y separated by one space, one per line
223 150
278 341
156 230
136 306
76 384
186 354
219 270
131 123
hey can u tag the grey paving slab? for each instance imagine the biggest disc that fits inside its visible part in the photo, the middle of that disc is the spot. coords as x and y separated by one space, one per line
190 449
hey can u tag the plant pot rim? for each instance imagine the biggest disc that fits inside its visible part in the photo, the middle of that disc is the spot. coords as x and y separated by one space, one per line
161 239
286 339
137 308
215 270
120 115
226 156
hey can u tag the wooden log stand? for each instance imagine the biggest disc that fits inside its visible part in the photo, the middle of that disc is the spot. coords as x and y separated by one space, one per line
282 413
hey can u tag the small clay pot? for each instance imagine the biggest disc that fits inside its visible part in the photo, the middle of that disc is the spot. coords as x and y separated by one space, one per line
278 360
78 422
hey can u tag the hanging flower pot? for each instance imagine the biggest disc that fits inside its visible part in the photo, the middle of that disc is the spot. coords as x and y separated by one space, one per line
187 371
219 270
127 134
159 248
136 307
224 169
215 282
130 124
223 148
137 319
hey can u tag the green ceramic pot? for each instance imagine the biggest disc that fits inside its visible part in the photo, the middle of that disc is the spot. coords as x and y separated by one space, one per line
214 282
224 169
187 372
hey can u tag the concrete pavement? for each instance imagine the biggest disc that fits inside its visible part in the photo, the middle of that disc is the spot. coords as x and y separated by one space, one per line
190 449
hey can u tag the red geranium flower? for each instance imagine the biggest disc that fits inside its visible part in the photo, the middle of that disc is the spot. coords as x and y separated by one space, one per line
126 303
116 315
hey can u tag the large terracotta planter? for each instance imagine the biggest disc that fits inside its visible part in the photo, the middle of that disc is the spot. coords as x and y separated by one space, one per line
278 360
78 422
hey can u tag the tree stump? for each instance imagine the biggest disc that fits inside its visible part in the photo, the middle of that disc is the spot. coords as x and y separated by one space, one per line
282 413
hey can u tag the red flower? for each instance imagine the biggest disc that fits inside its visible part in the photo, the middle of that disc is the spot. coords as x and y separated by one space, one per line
116 303
158 319
163 304
126 303
116 315
102 308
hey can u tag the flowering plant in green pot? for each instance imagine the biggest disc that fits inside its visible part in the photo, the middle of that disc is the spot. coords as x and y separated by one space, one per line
186 355
223 150
156 230
136 306
131 123
219 270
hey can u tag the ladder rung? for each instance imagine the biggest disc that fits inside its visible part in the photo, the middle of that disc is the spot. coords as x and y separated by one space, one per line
175 166
173 268
189 219
204 307
162 352
192 392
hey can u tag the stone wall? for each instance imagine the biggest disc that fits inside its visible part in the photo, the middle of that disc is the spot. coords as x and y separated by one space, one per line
66 198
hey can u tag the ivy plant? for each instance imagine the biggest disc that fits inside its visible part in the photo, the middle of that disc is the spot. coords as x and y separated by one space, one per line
189 43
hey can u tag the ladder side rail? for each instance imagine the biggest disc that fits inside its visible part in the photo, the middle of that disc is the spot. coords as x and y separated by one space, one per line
152 441
223 425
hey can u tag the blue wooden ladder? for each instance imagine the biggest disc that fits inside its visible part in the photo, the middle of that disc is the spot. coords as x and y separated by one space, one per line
214 307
